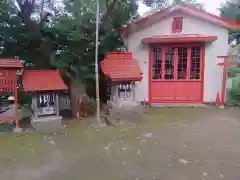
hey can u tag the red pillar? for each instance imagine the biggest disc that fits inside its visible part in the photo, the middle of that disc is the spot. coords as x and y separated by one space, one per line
225 65
224 81
188 63
175 63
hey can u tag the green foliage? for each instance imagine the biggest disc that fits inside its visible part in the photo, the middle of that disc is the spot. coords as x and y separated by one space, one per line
234 74
193 3
24 98
155 3
234 70
47 37
77 32
234 92
231 10
164 3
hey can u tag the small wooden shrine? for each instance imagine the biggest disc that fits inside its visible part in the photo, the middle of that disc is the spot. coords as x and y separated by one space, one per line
8 89
44 86
122 71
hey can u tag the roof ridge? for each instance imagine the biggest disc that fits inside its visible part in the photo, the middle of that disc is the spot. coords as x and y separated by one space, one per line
198 12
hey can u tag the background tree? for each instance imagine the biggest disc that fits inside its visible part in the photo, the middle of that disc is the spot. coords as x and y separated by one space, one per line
156 4
51 34
193 3
77 38
163 3
231 10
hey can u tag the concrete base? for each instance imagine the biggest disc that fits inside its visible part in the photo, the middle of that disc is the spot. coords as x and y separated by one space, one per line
47 124
127 104
178 105
17 130
129 114
123 104
98 126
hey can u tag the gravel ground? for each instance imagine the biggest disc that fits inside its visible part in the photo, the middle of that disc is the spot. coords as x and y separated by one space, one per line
170 144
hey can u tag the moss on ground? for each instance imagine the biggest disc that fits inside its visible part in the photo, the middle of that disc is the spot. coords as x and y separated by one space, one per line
82 148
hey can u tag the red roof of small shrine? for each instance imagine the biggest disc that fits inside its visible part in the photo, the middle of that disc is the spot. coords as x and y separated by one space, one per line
42 80
10 63
120 66
179 38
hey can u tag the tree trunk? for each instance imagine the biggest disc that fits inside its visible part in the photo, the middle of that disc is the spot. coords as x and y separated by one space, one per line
75 88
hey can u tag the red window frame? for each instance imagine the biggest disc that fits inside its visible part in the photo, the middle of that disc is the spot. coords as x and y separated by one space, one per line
194 57
177 24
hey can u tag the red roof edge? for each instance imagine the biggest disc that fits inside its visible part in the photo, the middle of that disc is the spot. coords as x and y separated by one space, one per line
180 38
229 22
125 29
198 12
125 79
10 63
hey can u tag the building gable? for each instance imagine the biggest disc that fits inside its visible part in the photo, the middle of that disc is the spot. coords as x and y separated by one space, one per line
162 14
190 27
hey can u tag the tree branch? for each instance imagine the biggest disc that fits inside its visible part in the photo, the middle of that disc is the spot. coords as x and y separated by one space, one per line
19 3
107 16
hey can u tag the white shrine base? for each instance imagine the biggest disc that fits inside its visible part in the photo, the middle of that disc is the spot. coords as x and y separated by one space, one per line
47 124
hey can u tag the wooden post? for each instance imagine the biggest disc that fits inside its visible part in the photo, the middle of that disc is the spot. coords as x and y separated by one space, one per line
16 108
116 94
133 91
34 106
57 104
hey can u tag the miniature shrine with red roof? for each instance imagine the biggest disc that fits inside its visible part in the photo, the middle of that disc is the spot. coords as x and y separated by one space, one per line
44 86
123 72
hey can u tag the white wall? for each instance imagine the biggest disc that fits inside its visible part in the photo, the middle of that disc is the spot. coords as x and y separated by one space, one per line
191 25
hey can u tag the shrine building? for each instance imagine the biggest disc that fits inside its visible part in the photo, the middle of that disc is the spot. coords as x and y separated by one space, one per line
171 59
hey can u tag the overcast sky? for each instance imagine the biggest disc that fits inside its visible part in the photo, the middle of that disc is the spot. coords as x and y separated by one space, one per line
209 5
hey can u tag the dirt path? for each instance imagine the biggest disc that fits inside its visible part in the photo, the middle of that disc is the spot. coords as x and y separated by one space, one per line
173 144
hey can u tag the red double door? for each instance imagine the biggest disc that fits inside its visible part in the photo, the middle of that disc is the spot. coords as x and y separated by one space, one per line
176 73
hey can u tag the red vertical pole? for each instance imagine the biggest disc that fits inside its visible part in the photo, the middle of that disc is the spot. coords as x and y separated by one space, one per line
150 51
224 80
202 67
176 63
163 63
188 62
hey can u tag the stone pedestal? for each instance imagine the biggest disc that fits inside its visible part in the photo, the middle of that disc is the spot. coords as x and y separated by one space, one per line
133 112
47 124
17 130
